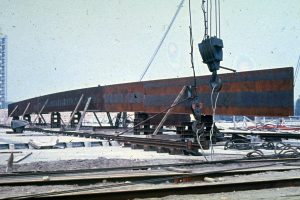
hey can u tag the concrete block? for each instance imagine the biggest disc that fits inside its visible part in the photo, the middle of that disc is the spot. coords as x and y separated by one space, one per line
77 144
4 146
21 146
96 144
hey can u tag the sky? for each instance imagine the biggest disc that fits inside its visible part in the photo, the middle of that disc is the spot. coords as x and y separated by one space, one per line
58 45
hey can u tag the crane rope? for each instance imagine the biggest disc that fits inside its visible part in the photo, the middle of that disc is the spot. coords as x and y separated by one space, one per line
219 18
192 44
207 7
162 40
205 19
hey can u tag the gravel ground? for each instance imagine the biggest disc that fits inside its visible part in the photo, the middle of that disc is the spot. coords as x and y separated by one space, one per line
289 193
86 164
260 194
70 165
116 156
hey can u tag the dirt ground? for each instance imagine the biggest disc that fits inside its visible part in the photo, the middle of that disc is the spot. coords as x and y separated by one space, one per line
280 193
117 156
86 164
289 193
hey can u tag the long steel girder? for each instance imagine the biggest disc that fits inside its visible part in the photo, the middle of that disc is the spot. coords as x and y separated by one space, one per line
254 93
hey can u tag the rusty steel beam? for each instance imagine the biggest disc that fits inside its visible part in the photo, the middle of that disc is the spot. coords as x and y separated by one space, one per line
255 93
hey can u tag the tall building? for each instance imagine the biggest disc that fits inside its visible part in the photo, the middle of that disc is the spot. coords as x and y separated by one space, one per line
297 107
3 71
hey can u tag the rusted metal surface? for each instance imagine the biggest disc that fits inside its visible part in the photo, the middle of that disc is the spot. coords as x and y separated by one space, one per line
260 93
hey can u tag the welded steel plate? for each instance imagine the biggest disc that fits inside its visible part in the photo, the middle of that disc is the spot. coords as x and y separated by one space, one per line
254 93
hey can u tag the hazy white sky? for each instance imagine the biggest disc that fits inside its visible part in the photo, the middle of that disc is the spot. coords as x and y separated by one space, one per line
57 45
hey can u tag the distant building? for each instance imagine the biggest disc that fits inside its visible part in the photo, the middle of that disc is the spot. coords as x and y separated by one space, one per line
3 71
297 107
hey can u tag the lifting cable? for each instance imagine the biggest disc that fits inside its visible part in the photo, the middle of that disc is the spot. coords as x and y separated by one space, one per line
201 129
219 8
192 44
213 107
211 132
205 19
162 40
207 7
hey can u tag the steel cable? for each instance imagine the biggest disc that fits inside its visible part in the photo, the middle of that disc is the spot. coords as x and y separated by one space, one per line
162 40
192 44
213 106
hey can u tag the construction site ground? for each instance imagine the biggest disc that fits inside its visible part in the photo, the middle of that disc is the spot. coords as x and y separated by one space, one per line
115 155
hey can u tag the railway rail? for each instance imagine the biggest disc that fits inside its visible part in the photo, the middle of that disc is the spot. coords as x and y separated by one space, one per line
117 179
271 158
160 145
147 186
173 175
154 144
183 190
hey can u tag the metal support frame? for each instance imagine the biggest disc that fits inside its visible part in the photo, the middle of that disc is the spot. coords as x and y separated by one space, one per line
140 126
74 111
42 117
117 122
25 110
55 120
109 119
13 111
41 110
169 110
97 119
27 117
62 122
124 119
83 113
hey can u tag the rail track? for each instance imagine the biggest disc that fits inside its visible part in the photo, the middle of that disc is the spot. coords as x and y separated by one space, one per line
144 181
139 185
178 146
172 175
180 190
161 145
263 159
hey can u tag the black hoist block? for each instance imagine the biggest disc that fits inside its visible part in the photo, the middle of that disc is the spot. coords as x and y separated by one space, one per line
211 52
